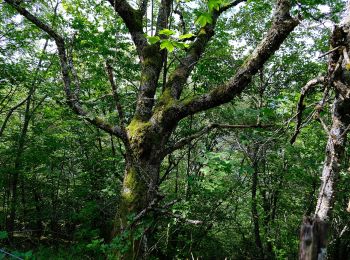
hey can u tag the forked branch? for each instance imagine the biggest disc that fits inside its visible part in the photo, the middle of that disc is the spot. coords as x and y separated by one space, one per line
283 24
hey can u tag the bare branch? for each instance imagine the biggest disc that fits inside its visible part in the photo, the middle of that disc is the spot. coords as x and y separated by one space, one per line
115 93
329 52
230 5
300 107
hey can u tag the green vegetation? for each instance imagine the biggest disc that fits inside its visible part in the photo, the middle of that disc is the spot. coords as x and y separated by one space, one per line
152 177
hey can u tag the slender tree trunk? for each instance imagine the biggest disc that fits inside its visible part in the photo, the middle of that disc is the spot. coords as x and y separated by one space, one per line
255 214
14 177
38 211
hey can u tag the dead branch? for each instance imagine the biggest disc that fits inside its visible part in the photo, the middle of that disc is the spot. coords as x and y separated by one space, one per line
300 107
329 52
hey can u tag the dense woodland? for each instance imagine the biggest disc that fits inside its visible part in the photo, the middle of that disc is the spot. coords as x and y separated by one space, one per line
187 129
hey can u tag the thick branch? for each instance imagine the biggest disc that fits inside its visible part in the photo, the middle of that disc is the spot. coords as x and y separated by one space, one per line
181 17
163 15
133 21
179 76
152 60
143 7
283 24
342 89
72 100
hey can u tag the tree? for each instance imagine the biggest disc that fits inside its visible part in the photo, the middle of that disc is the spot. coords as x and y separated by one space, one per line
147 132
314 231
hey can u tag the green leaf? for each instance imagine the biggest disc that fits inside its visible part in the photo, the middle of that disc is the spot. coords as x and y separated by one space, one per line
153 39
214 4
180 45
186 36
167 32
166 44
204 18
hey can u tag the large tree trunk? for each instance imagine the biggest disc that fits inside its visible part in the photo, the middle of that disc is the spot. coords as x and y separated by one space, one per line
140 184
136 195
313 236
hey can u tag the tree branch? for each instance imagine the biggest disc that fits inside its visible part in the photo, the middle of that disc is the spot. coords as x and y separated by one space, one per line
143 7
300 107
115 93
342 89
72 100
178 11
283 24
16 4
152 60
179 76
163 15
133 21
230 5
9 114
180 217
